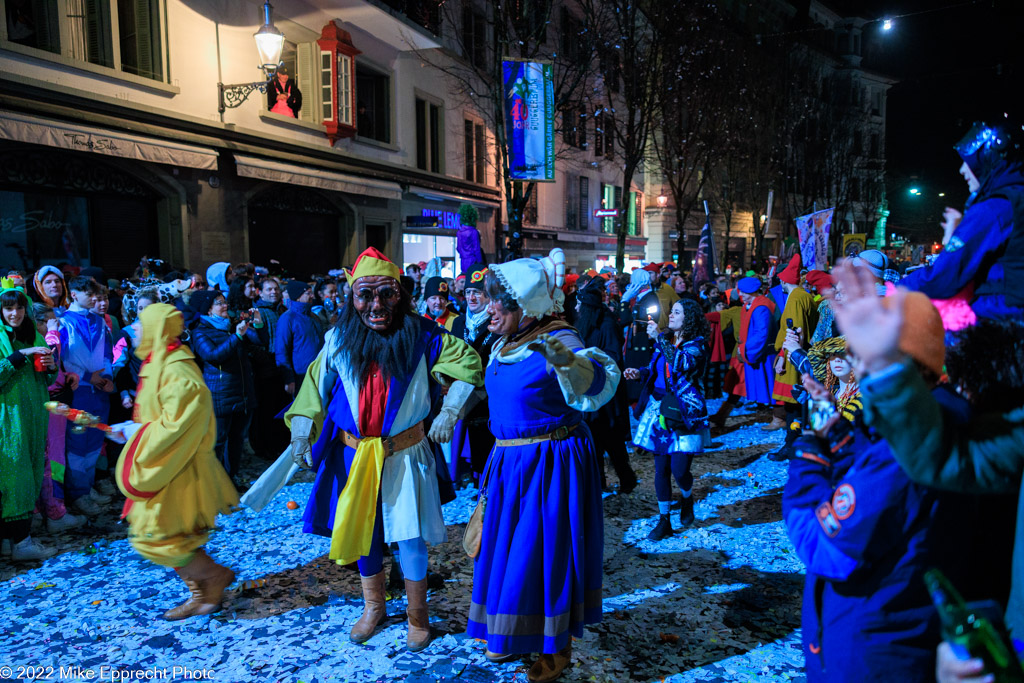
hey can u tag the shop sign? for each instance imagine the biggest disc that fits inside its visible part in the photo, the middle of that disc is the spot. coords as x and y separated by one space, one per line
421 222
605 213
449 220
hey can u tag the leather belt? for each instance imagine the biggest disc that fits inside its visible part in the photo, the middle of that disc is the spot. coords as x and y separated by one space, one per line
407 439
559 434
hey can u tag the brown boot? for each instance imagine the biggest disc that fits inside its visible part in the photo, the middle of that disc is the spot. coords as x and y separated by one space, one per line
419 617
775 425
206 580
719 418
549 667
374 610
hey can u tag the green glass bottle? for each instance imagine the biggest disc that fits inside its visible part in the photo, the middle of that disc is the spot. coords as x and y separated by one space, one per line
972 635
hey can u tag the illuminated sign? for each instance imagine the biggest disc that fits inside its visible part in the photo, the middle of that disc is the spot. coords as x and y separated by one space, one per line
605 213
449 220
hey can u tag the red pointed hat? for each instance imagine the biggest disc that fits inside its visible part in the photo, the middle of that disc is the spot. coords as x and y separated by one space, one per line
819 279
791 274
372 263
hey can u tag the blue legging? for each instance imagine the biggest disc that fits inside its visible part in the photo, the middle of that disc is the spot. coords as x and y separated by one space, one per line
676 464
412 554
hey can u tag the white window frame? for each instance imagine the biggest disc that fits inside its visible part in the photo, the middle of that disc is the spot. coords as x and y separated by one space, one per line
64 57
439 103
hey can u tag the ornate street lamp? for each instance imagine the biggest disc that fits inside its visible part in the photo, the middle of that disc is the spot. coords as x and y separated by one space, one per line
270 45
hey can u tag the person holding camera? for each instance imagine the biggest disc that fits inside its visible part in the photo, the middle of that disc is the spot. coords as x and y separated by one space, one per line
222 344
674 417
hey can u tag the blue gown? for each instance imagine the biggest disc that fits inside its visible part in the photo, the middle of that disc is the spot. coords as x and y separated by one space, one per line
537 579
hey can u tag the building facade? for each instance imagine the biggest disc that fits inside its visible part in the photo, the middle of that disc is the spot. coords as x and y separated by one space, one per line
116 144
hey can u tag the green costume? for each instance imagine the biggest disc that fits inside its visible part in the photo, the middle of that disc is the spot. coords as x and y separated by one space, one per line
24 423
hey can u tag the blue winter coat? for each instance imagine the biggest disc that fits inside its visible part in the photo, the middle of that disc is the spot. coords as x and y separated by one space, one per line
978 251
867 534
226 368
299 338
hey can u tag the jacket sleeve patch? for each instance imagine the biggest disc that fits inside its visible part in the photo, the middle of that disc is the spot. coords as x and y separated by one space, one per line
844 500
827 519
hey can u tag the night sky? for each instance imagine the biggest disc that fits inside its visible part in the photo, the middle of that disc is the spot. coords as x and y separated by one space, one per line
957 62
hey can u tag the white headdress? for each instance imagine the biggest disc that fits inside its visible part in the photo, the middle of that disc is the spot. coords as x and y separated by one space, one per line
533 282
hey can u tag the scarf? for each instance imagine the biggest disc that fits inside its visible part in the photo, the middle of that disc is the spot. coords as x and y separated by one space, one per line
223 324
473 323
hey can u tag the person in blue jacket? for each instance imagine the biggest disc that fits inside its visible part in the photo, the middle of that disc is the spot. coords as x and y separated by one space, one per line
299 336
986 249
867 534
755 342
222 345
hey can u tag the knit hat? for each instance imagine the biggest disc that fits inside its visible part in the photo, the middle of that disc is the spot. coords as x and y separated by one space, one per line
436 286
791 274
570 281
533 281
749 285
215 275
296 288
922 337
369 264
476 277
873 260
820 280
201 301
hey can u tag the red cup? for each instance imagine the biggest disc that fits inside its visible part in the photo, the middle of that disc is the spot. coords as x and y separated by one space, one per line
39 362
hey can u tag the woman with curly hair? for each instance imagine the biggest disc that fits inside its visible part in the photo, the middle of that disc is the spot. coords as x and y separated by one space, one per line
676 370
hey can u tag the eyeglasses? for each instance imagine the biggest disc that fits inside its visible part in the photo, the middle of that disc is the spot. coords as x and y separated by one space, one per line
385 293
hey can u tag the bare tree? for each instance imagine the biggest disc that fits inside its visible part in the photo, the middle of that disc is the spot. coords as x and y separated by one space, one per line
702 57
625 96
479 36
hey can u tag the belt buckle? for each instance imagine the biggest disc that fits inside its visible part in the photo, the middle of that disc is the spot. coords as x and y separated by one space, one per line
560 434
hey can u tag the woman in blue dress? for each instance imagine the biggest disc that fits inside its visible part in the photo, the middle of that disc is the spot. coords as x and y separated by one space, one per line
537 577
678 364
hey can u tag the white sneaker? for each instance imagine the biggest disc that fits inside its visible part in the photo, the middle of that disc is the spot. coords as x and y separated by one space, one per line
30 550
68 521
98 497
105 487
86 506
5 548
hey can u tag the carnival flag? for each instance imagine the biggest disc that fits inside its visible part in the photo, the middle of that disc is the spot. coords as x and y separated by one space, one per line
530 120
704 266
814 229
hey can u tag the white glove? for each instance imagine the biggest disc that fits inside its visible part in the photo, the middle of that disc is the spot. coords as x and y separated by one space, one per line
454 402
302 451
444 426
553 350
122 432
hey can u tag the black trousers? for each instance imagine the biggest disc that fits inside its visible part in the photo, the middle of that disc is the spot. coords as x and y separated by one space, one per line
607 438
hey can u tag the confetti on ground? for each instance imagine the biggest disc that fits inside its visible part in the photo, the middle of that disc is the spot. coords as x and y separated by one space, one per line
717 601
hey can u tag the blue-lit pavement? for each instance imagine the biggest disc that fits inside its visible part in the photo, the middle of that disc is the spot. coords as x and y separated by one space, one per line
718 601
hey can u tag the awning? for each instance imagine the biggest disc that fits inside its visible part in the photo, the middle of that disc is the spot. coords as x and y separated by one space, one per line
53 133
438 196
294 174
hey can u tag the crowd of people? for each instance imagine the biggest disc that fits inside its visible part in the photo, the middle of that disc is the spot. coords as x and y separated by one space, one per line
899 395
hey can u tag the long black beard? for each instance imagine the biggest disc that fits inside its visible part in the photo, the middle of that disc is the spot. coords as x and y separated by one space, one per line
360 347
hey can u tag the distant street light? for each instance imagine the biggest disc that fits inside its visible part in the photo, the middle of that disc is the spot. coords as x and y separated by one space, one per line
887 25
270 45
942 194
915 191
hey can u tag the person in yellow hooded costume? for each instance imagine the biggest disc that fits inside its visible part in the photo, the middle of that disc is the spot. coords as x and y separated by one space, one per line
168 469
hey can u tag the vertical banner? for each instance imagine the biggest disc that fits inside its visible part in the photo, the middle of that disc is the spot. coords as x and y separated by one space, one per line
704 264
854 244
529 120
814 229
